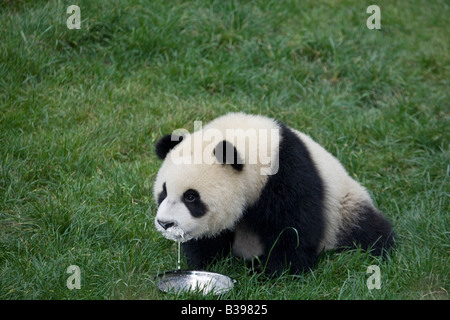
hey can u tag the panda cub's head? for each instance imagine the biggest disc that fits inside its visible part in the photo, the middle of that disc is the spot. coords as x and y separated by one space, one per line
205 184
196 200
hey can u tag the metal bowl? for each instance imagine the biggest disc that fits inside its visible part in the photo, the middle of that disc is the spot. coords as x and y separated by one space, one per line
195 281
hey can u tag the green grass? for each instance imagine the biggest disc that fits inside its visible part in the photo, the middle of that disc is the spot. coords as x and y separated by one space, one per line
82 109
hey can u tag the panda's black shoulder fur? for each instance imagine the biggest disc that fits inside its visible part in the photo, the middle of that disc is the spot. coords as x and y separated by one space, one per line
288 217
289 213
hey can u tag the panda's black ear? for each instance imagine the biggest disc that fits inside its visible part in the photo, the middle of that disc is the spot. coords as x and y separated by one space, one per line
226 153
167 143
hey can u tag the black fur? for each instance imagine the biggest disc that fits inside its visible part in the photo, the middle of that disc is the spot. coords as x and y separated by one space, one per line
201 252
372 232
196 207
288 216
162 195
165 144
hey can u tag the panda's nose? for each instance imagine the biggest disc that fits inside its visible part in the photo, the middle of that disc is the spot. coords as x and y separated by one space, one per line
166 224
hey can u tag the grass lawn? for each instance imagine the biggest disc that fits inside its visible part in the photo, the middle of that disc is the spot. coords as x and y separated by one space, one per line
82 109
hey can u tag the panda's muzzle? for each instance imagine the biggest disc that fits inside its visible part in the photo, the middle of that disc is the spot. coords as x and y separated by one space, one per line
166 224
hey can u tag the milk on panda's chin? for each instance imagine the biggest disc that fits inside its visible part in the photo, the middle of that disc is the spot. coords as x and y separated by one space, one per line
173 233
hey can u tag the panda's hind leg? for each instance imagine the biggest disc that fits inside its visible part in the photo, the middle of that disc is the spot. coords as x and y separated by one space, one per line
370 230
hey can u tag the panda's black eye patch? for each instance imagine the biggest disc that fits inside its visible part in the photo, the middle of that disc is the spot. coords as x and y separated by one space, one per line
162 195
196 206
191 196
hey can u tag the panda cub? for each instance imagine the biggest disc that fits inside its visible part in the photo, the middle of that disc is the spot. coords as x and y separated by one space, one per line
250 184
